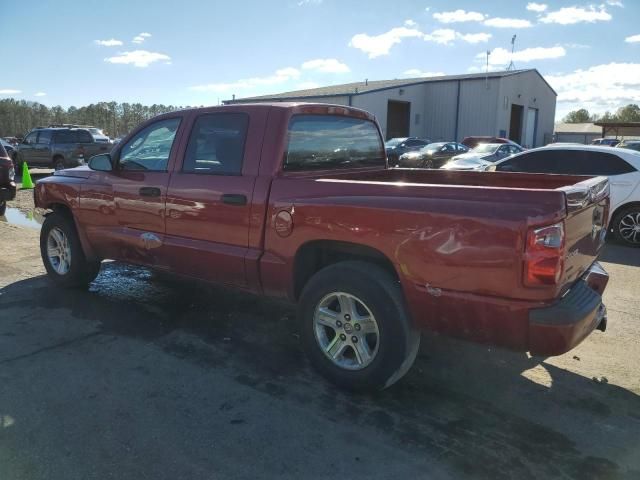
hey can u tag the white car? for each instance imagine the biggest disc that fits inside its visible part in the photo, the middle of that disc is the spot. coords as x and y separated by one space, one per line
621 165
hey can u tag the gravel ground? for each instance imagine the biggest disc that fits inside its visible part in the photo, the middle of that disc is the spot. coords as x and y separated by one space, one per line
139 378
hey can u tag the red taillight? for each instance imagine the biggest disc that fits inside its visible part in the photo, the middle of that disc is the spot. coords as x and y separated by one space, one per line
544 255
80 151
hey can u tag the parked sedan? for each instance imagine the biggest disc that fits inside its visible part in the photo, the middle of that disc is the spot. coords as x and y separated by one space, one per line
630 144
621 165
9 148
473 142
433 155
611 142
483 156
398 146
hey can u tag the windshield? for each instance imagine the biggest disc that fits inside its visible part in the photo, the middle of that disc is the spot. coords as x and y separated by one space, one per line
394 142
433 146
486 148
95 131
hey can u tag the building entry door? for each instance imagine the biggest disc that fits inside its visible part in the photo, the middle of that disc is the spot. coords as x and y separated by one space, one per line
515 125
398 116
531 129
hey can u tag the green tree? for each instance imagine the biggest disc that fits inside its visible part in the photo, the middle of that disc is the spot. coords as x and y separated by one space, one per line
628 113
578 116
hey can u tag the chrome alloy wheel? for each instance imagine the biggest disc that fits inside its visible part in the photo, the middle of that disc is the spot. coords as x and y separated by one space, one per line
629 227
346 331
59 251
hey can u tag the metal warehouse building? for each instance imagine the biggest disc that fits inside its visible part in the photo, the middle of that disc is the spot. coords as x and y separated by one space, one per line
517 104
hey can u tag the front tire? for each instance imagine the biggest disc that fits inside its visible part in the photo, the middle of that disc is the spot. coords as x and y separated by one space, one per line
62 253
626 226
58 164
355 328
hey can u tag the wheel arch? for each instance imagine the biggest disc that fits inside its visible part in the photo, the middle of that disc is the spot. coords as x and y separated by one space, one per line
620 208
66 210
313 256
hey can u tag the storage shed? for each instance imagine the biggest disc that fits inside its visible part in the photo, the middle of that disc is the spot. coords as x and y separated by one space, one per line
518 104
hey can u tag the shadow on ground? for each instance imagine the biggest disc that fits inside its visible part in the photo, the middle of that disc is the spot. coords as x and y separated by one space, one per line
621 254
482 412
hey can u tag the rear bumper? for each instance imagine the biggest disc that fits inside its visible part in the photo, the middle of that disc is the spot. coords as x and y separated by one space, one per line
8 192
558 328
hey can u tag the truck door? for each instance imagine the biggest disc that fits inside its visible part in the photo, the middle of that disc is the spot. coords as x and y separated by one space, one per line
138 187
27 148
210 195
41 153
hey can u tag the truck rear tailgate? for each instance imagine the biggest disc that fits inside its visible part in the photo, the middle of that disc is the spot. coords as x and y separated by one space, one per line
585 226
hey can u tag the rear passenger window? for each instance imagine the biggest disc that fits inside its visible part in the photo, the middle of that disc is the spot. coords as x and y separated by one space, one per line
600 163
64 136
216 145
319 142
84 136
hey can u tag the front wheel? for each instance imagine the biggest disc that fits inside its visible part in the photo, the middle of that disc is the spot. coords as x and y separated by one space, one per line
62 253
58 164
355 328
3 207
626 226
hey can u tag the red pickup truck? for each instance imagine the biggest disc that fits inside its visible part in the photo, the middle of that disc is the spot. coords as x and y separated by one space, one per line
297 201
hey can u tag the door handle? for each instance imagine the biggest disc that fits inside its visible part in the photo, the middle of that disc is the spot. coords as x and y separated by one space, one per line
234 199
149 192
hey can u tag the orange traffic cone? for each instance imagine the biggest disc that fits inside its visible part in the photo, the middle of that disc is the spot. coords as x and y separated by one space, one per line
26 178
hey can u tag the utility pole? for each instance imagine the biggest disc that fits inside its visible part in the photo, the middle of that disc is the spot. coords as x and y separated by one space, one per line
486 75
513 44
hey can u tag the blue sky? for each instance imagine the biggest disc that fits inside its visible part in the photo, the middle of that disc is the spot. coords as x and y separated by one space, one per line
197 53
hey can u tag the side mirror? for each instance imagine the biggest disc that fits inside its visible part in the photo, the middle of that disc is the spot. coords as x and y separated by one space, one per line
101 163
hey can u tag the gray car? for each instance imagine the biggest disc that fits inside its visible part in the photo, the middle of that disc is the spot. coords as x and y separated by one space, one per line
482 156
58 148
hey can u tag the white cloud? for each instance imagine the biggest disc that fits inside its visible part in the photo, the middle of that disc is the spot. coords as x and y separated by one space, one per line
572 15
499 22
416 72
633 39
9 91
501 56
597 88
326 65
378 45
40 94
615 3
446 36
474 37
443 36
138 58
280 76
536 7
112 42
141 37
410 23
302 3
457 16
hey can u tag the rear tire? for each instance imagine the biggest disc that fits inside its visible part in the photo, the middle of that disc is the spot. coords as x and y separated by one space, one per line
62 253
626 226
389 343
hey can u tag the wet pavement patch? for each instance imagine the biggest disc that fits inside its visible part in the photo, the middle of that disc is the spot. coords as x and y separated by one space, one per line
15 216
